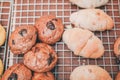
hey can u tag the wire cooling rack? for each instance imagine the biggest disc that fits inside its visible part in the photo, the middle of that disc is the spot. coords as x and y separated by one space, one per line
25 12
5 12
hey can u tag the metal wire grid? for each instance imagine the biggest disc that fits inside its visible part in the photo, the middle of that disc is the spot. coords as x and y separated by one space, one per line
27 11
5 12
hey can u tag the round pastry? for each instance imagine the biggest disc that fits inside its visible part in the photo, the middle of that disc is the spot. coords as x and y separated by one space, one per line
1 67
117 47
41 58
49 28
17 72
90 72
117 76
43 76
2 35
22 39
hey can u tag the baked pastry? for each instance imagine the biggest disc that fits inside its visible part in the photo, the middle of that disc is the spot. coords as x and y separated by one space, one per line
1 68
90 72
17 72
41 58
89 3
2 35
22 39
92 19
117 50
117 76
43 76
83 43
117 47
49 28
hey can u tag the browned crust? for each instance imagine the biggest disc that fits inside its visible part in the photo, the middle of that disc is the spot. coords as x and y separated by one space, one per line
46 35
117 76
22 43
116 45
37 58
22 72
43 76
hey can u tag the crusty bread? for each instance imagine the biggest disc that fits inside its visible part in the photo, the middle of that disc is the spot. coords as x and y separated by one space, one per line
92 19
90 72
89 3
83 43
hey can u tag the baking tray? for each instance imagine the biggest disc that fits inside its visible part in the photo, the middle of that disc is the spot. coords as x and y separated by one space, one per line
5 15
25 12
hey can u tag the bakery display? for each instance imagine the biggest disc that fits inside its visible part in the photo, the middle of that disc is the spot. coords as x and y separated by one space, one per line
89 3
83 43
117 47
43 76
117 76
92 19
2 35
89 72
17 72
41 58
49 29
22 39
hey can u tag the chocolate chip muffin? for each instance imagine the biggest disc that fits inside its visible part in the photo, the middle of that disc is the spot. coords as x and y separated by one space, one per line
22 39
41 58
43 76
17 72
49 29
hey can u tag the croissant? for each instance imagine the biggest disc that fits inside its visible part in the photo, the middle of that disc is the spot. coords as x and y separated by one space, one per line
83 43
92 19
89 3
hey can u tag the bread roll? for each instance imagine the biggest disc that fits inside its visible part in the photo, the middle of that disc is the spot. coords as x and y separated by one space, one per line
2 35
83 43
1 68
90 72
89 3
92 19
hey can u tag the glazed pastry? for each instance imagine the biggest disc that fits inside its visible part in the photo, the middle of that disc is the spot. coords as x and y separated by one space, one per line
22 39
117 76
17 72
90 72
2 35
83 43
43 76
49 28
89 3
92 19
41 58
